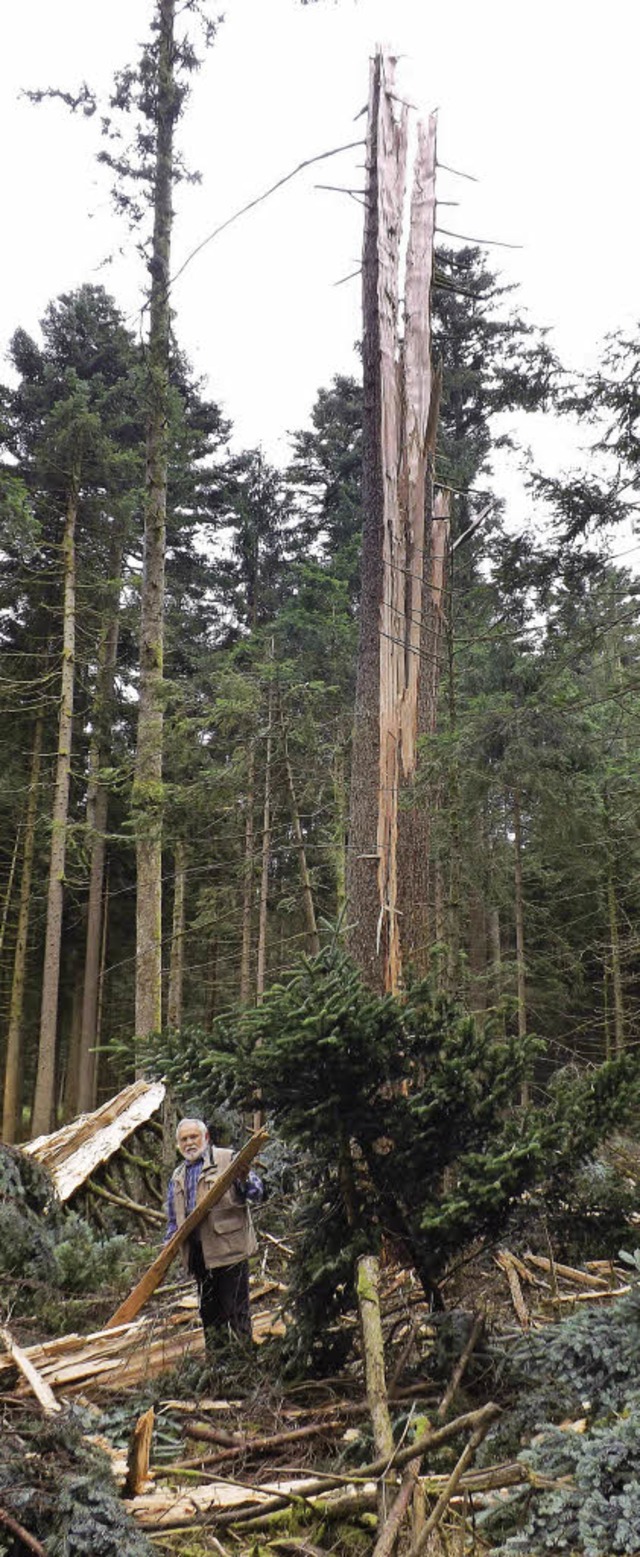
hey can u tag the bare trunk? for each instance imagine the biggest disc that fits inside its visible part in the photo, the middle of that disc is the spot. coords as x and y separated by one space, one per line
247 892
397 395
266 860
176 969
70 1105
9 892
10 1108
147 798
455 843
45 1077
97 815
367 1286
340 830
313 939
519 909
616 966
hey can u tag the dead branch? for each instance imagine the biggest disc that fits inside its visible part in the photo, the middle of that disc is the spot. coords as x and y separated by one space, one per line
21 1534
460 1368
308 162
389 1532
580 1277
448 1491
42 1391
505 1263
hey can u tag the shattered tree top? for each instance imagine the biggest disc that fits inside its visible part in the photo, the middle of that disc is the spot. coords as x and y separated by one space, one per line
73 1153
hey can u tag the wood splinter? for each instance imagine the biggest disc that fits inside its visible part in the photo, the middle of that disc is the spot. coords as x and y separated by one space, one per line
139 1454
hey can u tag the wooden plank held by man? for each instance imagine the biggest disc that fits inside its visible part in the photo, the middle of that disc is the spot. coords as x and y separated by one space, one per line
153 1276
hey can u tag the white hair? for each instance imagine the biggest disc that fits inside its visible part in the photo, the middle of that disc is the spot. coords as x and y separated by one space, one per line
195 1122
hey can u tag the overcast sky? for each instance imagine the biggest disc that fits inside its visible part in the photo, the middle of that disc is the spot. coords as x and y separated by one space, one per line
539 101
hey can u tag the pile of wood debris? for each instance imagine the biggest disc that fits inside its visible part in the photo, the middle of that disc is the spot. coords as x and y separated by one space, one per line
233 1471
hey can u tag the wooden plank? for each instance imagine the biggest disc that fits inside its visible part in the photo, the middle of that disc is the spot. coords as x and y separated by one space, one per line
42 1391
153 1276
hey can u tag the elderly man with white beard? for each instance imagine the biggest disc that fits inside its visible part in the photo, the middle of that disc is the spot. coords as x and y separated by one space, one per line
217 1252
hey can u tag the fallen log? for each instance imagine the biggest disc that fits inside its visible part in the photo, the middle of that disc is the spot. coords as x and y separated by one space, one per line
568 1272
73 1153
153 1276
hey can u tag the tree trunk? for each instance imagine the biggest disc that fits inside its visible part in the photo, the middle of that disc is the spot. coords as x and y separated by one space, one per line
313 939
519 908
397 395
70 1100
340 830
616 965
247 890
45 1078
176 969
10 1108
367 1286
147 797
9 892
266 861
97 814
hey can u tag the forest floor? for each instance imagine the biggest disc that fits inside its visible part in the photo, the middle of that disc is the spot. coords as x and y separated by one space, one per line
228 1456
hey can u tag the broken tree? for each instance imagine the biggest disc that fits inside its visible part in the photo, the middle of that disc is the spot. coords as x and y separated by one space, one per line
403 551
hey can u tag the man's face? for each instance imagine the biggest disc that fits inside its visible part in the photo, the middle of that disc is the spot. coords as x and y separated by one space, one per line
191 1141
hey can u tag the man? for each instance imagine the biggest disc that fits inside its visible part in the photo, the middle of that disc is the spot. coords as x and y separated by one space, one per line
217 1252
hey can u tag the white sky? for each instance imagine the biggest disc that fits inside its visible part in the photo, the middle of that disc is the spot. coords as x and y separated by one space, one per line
539 100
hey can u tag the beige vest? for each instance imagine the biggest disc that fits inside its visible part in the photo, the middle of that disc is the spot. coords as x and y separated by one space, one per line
226 1232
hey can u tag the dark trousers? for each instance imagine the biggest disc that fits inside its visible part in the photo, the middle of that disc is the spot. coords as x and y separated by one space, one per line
223 1293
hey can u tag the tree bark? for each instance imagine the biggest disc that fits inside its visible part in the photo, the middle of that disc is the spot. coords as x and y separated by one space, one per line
247 889
397 401
45 1077
519 914
10 1107
340 829
9 892
367 1287
616 965
97 815
176 968
147 797
266 861
70 1106
313 939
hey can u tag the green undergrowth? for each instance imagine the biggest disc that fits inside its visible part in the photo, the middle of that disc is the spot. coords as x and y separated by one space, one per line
583 1370
61 1489
56 1271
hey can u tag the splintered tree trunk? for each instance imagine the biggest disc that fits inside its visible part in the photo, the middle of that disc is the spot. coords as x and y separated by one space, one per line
147 797
176 968
397 396
313 939
45 1077
247 889
97 815
519 909
10 1106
